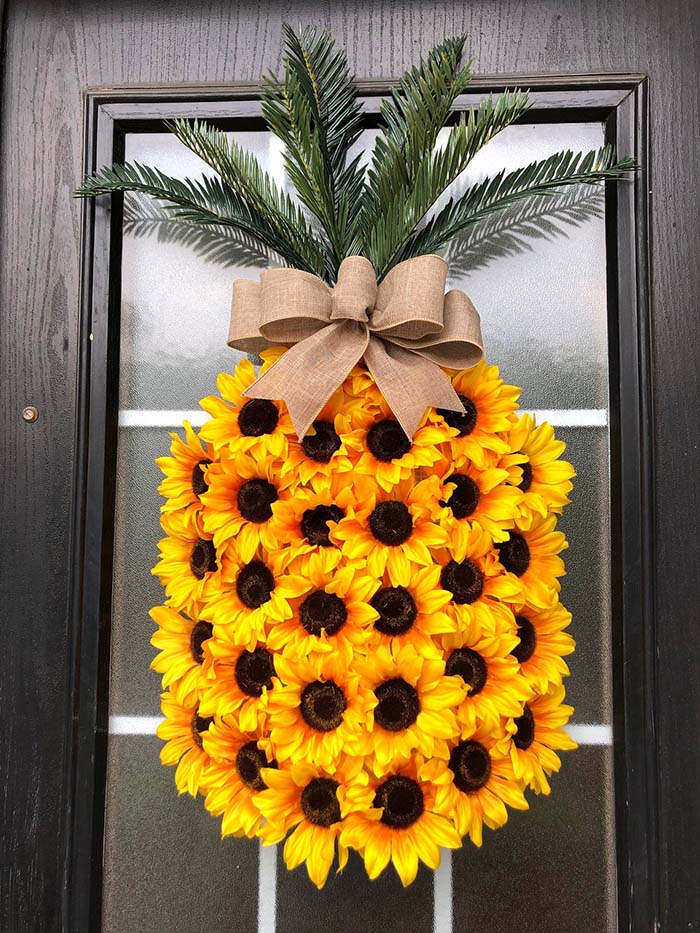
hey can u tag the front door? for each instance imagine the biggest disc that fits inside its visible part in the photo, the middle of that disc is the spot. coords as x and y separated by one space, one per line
116 327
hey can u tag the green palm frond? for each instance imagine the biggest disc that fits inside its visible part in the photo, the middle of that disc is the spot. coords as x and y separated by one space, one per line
388 211
241 171
504 189
437 170
412 119
207 201
315 112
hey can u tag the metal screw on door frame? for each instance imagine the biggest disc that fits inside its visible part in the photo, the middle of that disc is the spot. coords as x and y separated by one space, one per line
30 414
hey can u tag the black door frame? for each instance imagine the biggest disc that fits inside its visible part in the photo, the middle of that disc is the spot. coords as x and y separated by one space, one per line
620 102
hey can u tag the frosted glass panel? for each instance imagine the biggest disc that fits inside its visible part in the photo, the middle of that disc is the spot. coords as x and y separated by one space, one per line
538 279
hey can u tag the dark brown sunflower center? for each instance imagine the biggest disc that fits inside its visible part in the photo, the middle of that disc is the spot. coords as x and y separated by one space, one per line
254 584
199 484
322 705
391 523
323 612
254 671
398 705
249 760
465 496
514 554
470 666
397 610
199 634
528 640
257 417
200 724
314 524
464 422
463 579
525 729
402 801
323 444
526 481
255 498
387 440
319 802
203 558
471 764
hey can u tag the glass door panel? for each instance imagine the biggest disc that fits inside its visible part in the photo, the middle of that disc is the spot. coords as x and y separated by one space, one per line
538 279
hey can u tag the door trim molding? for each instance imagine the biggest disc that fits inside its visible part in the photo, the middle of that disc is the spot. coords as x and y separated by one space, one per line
621 103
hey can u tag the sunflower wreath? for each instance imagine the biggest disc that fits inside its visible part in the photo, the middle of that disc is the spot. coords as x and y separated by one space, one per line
362 643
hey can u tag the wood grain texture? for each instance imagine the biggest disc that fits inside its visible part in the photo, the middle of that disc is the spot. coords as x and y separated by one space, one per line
53 51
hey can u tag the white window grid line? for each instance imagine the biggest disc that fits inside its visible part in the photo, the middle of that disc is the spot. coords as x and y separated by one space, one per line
170 418
585 733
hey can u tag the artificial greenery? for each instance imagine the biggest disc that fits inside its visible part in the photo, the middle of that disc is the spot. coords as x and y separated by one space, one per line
381 211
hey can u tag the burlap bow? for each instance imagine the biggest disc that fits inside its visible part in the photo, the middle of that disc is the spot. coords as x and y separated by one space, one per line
406 328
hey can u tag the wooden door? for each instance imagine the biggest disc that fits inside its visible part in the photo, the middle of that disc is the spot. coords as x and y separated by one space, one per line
94 835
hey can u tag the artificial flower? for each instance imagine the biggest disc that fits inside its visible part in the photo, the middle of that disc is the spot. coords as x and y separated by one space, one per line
234 776
536 469
189 567
395 820
182 730
185 471
182 642
475 784
536 736
311 802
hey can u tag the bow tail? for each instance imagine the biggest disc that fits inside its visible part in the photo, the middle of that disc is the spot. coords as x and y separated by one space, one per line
409 382
309 372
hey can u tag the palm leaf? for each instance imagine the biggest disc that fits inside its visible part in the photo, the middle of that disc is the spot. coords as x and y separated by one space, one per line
207 201
412 117
315 112
494 194
436 172
241 171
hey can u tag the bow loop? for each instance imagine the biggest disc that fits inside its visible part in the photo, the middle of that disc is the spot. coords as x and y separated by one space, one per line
406 328
355 292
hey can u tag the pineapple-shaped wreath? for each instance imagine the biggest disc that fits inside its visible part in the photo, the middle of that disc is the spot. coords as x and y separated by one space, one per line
362 644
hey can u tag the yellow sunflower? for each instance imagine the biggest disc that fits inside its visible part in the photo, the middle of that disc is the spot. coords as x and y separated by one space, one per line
304 521
252 597
331 447
241 681
536 469
480 657
238 505
395 820
543 644
393 529
332 615
317 708
182 730
188 568
182 642
410 706
312 802
480 496
489 405
530 557
185 471
410 609
388 456
471 574
234 777
475 784
536 735
240 424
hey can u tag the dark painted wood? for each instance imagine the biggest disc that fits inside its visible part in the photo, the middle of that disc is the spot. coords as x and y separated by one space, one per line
53 51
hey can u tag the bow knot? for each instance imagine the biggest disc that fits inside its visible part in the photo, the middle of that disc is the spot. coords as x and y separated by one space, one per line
406 328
